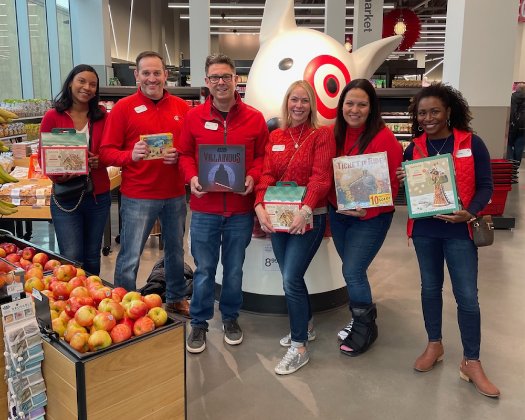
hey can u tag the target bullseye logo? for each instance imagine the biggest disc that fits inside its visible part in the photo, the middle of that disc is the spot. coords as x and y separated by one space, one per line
328 76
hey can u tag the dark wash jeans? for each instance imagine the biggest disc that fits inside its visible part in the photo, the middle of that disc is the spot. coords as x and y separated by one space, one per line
461 256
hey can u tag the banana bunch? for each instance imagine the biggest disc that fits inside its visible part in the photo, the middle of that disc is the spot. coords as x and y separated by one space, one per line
7 116
5 177
3 147
7 208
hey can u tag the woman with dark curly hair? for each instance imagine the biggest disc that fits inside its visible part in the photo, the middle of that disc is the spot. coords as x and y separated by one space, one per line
79 223
442 116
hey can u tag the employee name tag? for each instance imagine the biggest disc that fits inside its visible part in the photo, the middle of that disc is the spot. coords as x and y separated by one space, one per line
278 148
211 125
464 153
141 108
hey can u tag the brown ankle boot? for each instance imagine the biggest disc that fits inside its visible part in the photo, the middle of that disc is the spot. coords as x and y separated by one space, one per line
432 354
471 370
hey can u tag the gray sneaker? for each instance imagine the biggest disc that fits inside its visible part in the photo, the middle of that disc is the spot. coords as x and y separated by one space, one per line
232 332
292 361
286 341
196 341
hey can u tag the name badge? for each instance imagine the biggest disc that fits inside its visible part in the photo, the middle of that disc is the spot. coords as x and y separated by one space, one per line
211 125
141 108
278 148
464 153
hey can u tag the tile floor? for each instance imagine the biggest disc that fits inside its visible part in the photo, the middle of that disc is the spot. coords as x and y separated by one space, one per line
238 382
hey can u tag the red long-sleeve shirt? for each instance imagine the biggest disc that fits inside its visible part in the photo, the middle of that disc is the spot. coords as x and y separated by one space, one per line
384 141
131 117
309 165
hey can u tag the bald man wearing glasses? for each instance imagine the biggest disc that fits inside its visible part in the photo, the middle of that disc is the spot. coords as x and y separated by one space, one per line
221 222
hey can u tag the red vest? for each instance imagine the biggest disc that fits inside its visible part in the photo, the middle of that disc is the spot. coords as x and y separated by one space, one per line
463 168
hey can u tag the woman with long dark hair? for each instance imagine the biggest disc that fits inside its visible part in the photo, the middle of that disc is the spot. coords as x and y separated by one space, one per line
359 234
79 222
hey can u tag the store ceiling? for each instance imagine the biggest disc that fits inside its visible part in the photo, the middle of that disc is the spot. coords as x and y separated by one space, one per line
244 16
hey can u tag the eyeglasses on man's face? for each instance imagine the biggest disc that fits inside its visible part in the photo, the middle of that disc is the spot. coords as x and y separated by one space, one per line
214 78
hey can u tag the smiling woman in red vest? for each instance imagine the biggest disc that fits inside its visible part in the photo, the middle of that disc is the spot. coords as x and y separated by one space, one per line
441 118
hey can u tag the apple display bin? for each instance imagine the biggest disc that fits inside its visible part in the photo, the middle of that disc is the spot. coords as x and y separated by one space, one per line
142 378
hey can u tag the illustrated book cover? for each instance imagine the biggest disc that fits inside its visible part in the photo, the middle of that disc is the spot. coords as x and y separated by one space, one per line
362 181
282 202
64 151
157 144
430 186
222 167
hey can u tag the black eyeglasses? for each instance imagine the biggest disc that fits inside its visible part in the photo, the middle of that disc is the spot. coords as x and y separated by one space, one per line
214 78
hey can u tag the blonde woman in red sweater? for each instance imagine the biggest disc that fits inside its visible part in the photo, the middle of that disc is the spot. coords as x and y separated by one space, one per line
302 152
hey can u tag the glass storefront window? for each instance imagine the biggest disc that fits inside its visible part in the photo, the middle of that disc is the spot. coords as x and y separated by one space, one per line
9 54
36 13
64 37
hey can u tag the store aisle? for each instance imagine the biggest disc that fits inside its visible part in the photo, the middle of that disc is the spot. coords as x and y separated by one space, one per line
238 382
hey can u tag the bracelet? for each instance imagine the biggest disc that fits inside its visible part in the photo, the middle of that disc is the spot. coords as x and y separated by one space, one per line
307 214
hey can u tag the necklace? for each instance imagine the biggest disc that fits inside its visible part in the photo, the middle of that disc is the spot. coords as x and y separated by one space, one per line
438 152
300 135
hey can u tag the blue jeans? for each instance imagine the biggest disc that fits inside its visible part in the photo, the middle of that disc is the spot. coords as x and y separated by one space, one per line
515 151
357 242
211 233
294 254
138 217
461 256
79 234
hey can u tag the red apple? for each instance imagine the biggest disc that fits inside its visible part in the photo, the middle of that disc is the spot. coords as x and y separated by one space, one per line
59 326
2 253
71 329
116 309
58 305
49 265
158 315
9 248
77 281
143 325
28 253
5 267
64 315
84 316
128 321
99 340
153 300
115 296
81 272
104 321
25 264
65 272
79 291
35 272
120 333
136 309
91 280
37 265
41 258
12 258
130 296
79 342
61 290
120 291
100 293
33 283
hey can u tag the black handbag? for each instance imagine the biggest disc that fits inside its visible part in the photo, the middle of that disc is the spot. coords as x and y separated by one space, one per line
483 231
73 190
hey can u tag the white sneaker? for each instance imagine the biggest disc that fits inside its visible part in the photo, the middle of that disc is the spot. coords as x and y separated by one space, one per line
292 361
286 341
341 335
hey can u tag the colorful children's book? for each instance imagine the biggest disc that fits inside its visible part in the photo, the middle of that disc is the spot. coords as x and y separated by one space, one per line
430 186
157 144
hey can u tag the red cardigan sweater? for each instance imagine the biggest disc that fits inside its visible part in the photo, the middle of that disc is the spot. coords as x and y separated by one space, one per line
309 165
384 141
53 119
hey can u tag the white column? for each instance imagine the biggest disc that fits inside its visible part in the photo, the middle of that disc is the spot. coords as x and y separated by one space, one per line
90 35
335 19
479 57
368 22
24 45
199 39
